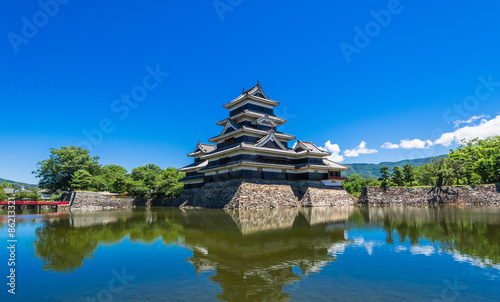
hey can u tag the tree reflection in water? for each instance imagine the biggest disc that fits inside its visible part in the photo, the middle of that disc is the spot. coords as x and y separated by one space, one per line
251 254
453 230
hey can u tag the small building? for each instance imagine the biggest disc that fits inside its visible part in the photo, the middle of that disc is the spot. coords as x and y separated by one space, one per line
45 194
9 191
23 190
250 146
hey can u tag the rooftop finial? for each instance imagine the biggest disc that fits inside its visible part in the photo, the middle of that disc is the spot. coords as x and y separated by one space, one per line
258 83
243 90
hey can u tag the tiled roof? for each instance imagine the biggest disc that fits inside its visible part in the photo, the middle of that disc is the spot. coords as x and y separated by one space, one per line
208 147
256 91
236 126
310 146
196 165
333 164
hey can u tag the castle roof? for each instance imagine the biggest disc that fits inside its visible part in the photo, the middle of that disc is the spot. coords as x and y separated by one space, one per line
194 166
308 146
244 129
202 149
252 115
255 93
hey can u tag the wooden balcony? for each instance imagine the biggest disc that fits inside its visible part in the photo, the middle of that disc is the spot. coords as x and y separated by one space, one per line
336 177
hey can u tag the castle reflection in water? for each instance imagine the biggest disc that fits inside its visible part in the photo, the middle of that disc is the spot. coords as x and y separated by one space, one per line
254 254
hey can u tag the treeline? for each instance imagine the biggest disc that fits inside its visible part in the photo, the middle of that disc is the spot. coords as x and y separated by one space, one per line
72 168
475 162
3 196
31 194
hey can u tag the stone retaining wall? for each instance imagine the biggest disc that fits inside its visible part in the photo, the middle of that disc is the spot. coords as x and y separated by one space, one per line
82 200
255 194
232 194
94 201
466 195
317 197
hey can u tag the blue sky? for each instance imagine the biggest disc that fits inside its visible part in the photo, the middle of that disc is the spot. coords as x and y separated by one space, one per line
359 74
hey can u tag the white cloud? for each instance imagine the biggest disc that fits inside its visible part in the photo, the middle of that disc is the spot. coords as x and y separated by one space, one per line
335 150
472 119
389 145
415 144
409 144
483 130
400 248
426 250
361 149
367 244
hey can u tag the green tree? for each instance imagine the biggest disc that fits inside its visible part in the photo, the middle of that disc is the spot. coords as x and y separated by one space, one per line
457 168
27 196
7 185
107 178
496 167
170 185
122 184
385 176
147 177
409 174
82 180
56 172
354 183
440 168
479 158
98 183
3 196
138 188
397 176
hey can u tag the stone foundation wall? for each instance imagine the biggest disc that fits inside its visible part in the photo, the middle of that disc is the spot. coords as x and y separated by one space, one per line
466 195
316 197
95 201
256 194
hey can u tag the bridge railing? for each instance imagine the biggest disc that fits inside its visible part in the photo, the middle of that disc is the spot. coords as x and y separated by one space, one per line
32 202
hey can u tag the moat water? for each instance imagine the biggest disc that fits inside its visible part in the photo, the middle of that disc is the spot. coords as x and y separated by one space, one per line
311 254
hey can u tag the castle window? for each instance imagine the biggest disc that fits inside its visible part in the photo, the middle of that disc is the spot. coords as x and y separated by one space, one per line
229 141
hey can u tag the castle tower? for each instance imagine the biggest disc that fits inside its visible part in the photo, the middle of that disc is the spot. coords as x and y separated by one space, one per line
250 146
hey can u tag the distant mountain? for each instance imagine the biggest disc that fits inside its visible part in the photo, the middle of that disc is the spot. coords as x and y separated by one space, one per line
18 184
373 170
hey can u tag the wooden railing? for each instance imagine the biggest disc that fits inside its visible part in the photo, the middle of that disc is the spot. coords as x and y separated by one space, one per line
336 178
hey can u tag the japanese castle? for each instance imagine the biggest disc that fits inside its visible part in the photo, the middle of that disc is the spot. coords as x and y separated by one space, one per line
250 147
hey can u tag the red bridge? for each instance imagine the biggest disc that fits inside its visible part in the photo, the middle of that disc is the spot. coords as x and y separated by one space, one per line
37 203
